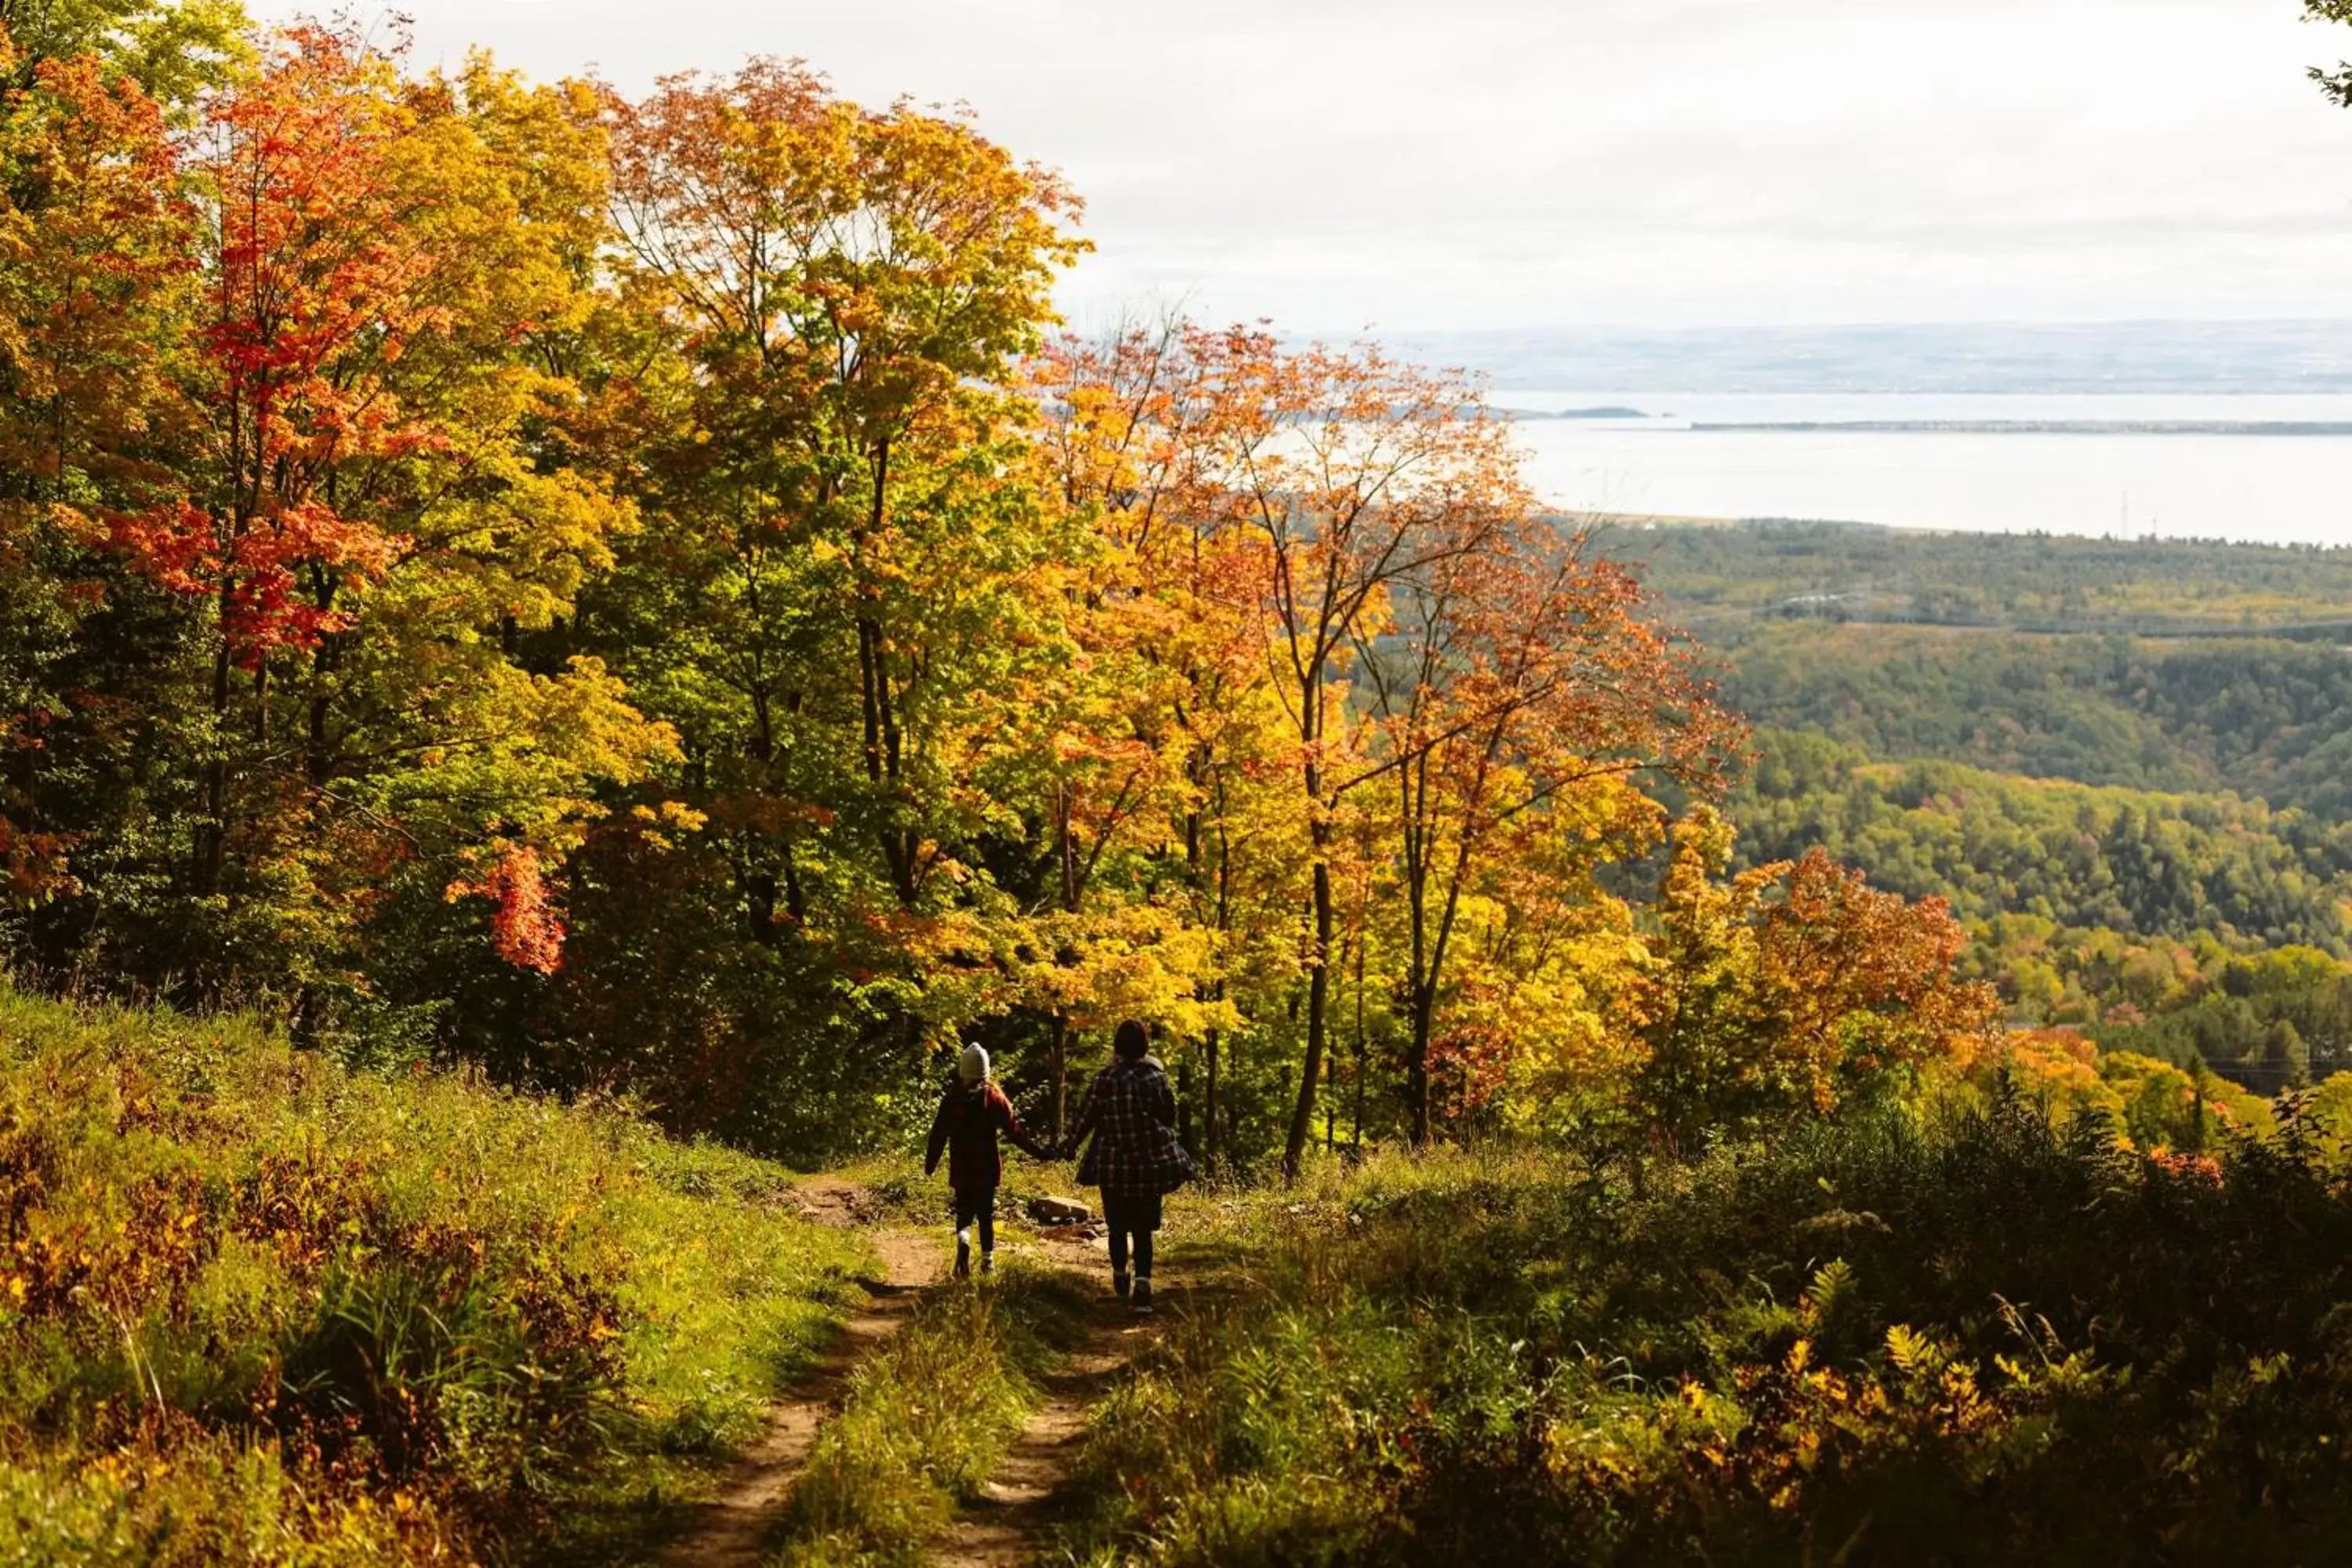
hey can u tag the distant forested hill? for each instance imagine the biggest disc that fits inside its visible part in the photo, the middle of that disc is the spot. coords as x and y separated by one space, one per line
2126 820
2134 861
2264 718
1715 574
2182 666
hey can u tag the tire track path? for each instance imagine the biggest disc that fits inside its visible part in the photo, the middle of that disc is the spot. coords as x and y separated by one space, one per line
732 1530
1029 1495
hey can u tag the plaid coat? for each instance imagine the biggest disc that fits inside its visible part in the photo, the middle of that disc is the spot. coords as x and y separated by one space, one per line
1131 1112
967 1124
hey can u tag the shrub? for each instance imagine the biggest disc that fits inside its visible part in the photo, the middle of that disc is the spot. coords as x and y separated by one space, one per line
1979 1337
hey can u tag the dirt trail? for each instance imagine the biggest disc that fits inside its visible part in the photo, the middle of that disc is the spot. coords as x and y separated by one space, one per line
731 1529
1012 1524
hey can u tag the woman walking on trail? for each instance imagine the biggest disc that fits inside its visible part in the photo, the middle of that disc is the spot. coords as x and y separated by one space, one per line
971 1114
1135 1157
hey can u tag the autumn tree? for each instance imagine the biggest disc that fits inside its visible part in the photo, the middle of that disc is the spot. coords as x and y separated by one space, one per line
1357 477
850 592
1100 777
172 51
1341 545
1135 423
1506 680
1526 1038
94 292
1787 989
841 284
371 506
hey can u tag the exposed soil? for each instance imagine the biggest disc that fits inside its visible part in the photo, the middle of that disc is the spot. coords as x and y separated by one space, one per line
1014 1524
732 1529
1029 1495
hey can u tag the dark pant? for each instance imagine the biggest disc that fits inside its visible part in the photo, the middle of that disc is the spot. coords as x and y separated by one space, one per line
977 1206
1131 1221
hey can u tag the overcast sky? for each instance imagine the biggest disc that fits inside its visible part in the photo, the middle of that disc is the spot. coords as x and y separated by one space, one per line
1461 163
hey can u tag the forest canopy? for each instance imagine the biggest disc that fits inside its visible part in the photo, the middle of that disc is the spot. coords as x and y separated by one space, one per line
2132 826
639 592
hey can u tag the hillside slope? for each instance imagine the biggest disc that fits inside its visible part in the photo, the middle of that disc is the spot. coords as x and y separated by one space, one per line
2264 718
255 1308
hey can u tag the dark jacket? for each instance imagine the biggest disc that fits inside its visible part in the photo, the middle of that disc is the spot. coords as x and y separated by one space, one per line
1131 1111
969 1117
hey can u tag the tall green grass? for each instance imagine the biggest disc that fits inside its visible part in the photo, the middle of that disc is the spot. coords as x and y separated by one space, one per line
929 1416
256 1307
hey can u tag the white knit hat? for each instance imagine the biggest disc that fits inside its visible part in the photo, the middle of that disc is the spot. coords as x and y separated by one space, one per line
972 1066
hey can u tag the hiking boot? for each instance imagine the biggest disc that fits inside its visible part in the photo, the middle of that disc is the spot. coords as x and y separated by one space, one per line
963 1261
1118 1286
987 1263
1142 1298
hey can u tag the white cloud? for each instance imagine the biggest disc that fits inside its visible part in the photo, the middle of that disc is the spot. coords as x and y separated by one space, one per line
1491 162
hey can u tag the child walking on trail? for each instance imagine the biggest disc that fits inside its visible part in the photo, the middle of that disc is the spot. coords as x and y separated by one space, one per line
1135 1157
971 1113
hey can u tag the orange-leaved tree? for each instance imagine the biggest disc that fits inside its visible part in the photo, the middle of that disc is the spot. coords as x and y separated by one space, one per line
1138 426
1356 479
1508 679
375 499
1787 990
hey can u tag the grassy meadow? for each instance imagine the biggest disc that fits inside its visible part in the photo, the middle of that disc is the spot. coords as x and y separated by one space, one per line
927 1417
256 1307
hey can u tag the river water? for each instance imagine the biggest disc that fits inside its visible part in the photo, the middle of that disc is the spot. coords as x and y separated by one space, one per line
2272 488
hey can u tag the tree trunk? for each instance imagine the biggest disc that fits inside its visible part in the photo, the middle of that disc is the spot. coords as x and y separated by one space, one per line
1213 1135
1416 1079
1184 1104
1319 1011
1058 1053
316 763
317 753
1363 1042
760 901
884 747
212 834
1355 1143
795 895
